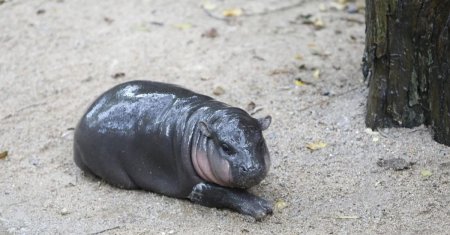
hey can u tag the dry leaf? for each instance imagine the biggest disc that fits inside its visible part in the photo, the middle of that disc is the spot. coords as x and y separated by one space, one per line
322 7
233 12
209 6
280 71
143 28
118 75
316 146
183 26
210 33
298 57
319 24
426 173
337 6
312 45
280 204
299 82
316 73
251 106
3 154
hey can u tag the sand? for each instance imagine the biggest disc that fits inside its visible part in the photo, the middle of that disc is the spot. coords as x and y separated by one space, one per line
56 57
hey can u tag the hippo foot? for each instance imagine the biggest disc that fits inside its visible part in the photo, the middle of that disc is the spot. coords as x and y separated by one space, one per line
212 195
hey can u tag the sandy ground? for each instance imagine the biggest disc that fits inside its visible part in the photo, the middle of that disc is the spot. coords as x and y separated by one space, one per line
56 57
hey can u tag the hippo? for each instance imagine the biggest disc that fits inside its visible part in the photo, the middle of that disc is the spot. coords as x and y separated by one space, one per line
169 140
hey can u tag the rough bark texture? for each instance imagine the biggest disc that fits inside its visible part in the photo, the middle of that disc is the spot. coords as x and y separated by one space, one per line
406 62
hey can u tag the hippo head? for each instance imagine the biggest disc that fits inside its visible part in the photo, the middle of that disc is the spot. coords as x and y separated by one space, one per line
231 150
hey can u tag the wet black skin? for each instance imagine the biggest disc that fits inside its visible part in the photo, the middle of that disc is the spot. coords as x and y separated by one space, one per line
143 134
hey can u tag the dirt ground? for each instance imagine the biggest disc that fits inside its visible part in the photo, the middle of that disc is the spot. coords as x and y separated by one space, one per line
297 61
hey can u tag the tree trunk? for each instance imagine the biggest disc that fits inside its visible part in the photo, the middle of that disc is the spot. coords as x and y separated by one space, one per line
406 62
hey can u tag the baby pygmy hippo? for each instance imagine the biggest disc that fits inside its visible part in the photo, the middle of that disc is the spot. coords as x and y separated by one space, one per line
169 140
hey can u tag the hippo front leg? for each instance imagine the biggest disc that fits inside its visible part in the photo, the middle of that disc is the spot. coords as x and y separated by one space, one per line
212 195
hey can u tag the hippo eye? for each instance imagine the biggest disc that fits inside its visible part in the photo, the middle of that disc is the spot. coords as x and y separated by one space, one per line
227 149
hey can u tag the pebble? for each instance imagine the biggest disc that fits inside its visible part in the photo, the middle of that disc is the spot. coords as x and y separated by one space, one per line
218 90
352 8
64 211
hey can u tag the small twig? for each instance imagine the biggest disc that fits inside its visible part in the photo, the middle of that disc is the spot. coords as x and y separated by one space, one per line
24 108
332 97
382 133
31 106
105 230
353 20
208 13
257 109
285 8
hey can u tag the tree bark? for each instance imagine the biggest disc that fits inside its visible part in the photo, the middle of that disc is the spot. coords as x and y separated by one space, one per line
406 62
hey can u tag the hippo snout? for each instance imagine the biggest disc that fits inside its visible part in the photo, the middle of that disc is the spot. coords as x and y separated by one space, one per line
248 176
250 169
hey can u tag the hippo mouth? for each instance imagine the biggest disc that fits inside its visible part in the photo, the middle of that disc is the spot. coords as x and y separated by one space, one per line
215 171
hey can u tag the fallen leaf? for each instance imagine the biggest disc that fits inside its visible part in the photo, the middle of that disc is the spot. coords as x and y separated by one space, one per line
280 71
233 12
319 24
3 154
312 45
299 82
143 27
108 20
306 19
209 6
210 33
298 57
157 23
316 146
322 7
319 52
183 26
118 75
40 11
316 73
426 173
251 106
337 6
280 204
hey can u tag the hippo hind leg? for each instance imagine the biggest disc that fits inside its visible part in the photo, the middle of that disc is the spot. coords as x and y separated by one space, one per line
117 178
79 162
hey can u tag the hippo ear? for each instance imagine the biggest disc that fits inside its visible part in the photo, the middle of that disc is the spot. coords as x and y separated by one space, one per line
265 122
204 129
